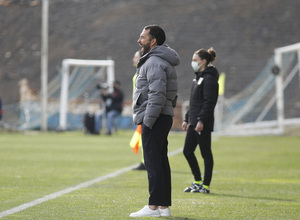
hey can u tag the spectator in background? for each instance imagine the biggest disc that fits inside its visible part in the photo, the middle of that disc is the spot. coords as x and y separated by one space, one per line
113 107
136 139
199 120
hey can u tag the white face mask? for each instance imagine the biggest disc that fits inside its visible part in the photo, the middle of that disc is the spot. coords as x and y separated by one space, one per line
195 66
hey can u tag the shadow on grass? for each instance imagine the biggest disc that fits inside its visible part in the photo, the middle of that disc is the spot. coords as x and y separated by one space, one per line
254 197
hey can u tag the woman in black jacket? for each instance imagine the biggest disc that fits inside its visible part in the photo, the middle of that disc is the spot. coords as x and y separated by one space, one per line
199 120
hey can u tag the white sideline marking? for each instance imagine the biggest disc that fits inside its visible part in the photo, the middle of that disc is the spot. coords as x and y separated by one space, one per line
65 191
71 189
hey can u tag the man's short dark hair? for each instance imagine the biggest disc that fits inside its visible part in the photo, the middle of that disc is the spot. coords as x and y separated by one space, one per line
156 32
117 82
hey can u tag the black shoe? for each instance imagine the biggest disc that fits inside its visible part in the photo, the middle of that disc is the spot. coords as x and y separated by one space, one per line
194 186
140 167
201 190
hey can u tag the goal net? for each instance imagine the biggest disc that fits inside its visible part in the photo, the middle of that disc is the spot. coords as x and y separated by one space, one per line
271 103
71 94
79 79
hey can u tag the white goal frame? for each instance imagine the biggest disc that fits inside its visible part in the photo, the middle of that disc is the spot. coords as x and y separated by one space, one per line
66 64
281 124
280 82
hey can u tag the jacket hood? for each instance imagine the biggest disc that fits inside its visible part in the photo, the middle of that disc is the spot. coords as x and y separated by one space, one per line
164 52
209 70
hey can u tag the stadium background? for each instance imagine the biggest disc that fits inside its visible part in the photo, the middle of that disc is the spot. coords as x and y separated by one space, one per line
244 34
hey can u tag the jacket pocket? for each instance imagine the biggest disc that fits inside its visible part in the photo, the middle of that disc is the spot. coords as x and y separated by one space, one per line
174 101
137 99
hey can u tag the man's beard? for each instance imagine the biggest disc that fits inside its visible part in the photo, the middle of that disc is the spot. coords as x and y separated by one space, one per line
145 49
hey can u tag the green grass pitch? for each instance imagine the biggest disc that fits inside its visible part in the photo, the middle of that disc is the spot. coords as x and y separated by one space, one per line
254 177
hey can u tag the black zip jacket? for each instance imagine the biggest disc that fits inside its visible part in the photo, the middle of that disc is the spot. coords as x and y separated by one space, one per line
204 96
114 101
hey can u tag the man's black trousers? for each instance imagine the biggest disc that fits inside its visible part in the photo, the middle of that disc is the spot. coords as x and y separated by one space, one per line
155 146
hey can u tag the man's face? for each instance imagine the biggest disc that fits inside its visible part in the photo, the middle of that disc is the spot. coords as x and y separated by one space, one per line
145 41
116 86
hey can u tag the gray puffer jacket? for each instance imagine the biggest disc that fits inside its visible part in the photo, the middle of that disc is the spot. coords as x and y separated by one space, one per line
155 90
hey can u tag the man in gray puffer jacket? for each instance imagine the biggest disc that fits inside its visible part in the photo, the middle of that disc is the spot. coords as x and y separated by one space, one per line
153 105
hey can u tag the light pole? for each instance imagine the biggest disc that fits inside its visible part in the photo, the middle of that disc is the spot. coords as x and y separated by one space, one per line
44 65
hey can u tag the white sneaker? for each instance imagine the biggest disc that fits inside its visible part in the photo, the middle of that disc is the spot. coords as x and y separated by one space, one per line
146 211
165 212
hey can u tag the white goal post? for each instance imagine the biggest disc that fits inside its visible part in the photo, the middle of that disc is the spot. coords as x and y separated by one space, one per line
270 104
66 64
280 81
